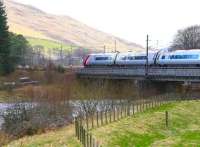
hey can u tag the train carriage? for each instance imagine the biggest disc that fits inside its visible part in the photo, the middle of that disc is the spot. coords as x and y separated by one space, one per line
180 58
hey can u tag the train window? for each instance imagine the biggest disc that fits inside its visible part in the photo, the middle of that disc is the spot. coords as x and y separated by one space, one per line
102 58
184 57
124 58
163 57
140 57
131 58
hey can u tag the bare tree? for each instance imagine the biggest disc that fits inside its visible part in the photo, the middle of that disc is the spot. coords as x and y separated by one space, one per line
188 38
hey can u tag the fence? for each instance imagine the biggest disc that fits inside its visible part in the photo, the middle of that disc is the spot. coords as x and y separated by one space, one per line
84 123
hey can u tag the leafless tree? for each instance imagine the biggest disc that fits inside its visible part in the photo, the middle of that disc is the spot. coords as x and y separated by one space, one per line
188 38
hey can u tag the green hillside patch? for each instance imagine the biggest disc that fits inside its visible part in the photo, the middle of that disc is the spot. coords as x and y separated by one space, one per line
49 44
149 129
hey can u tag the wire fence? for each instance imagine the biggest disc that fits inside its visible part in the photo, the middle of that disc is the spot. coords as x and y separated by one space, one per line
85 123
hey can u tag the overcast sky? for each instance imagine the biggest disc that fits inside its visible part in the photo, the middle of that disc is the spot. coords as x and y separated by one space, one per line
129 19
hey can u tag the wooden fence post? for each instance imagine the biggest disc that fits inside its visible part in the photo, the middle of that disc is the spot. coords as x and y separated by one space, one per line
110 113
97 119
114 114
106 117
87 122
90 140
87 140
101 117
84 137
117 112
166 118
121 109
92 116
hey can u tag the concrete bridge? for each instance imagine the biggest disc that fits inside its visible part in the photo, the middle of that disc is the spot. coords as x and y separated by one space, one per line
177 74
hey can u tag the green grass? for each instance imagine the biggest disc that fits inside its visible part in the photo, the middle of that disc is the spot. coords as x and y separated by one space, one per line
49 44
148 128
143 130
60 138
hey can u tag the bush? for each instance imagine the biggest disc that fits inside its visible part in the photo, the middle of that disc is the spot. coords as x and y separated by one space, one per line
28 119
60 69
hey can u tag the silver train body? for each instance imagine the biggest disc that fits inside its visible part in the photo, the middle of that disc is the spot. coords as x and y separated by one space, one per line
160 58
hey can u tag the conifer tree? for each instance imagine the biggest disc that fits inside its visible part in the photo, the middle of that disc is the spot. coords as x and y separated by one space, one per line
5 61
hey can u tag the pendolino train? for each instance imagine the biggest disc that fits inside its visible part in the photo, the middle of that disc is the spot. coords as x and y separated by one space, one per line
184 58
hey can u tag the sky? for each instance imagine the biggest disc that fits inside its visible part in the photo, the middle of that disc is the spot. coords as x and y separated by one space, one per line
129 19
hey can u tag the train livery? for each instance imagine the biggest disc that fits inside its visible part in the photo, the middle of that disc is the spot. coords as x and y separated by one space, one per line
160 58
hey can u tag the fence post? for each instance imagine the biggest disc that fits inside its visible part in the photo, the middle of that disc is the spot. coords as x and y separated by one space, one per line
84 137
166 118
117 112
114 113
90 140
81 134
92 120
110 115
133 109
142 104
87 136
97 119
101 117
87 122
75 124
79 129
106 117
121 109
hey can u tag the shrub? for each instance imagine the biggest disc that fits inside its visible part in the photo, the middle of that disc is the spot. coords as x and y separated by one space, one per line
30 118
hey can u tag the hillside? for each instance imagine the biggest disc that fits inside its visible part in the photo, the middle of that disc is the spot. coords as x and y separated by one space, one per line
32 22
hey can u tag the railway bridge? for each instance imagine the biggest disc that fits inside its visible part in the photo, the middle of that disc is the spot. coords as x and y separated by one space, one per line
164 74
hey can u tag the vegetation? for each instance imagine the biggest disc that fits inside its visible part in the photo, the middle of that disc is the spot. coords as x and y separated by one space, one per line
145 129
63 137
188 38
19 48
5 65
148 129
48 44
13 48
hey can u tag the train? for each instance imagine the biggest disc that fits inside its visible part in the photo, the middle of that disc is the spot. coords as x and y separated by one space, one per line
159 58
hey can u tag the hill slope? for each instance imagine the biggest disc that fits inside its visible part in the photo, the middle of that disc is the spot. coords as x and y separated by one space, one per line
32 22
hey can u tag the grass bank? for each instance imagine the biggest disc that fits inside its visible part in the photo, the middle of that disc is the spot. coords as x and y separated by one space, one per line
148 129
142 130
60 138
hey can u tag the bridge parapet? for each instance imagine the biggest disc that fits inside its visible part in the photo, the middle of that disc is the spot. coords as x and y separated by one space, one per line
154 73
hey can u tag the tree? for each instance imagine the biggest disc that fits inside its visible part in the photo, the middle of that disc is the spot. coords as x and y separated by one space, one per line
5 65
19 48
188 38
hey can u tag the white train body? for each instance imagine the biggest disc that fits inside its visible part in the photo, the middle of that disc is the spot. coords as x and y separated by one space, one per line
179 57
134 59
100 59
161 58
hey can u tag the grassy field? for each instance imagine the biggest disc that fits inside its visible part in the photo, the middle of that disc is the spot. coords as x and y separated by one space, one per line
60 138
148 129
49 44
145 129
